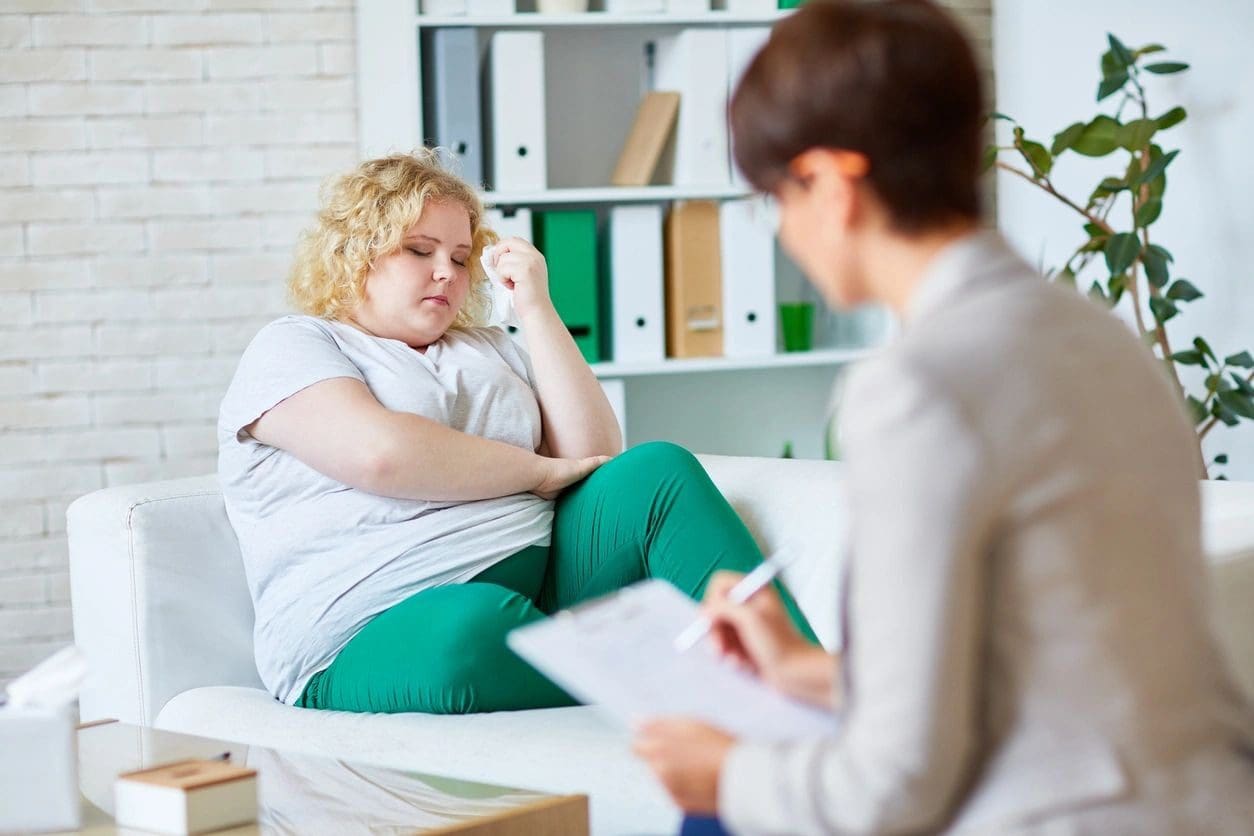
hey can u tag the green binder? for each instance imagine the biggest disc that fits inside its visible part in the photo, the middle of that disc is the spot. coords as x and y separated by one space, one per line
568 240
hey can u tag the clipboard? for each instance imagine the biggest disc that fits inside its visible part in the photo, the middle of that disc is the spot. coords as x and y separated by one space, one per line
618 652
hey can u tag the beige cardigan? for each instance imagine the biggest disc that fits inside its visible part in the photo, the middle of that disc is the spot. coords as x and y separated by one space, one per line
1028 648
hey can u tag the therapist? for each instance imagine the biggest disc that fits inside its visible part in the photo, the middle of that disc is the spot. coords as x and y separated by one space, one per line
1027 646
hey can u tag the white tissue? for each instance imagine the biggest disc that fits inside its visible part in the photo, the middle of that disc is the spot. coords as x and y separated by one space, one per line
502 297
52 683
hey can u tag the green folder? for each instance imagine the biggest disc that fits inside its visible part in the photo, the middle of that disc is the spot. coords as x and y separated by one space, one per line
568 240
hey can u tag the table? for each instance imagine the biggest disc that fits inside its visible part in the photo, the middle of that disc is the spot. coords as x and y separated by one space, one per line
301 794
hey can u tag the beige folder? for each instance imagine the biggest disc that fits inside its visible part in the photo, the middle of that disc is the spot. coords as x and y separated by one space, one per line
655 120
694 287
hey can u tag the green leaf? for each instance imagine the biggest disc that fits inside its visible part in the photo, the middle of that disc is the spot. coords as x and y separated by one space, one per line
1121 251
990 157
1183 290
1122 54
1117 284
1110 85
1155 168
1097 294
1163 309
1111 65
1166 67
1215 383
1065 276
1202 346
1222 458
1099 138
1155 259
1037 157
1198 410
1189 357
1223 413
1148 49
1242 384
995 115
1136 134
1110 185
1148 212
1171 118
1237 402
1094 230
1243 360
1066 138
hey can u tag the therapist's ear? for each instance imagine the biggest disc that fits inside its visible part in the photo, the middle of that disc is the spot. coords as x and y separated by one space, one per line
832 180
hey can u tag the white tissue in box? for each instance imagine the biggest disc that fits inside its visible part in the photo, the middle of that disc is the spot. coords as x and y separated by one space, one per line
191 796
38 769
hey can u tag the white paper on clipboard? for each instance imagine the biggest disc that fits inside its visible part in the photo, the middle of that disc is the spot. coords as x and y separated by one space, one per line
618 652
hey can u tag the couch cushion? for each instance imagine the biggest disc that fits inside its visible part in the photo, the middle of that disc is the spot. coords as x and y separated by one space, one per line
559 750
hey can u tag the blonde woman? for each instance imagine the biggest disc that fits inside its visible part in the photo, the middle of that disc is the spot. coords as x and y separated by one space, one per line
408 485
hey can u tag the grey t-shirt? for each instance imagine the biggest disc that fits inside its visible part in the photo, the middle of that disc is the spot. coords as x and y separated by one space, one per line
323 558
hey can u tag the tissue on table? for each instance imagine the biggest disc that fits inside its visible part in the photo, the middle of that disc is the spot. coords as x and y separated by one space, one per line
39 747
502 297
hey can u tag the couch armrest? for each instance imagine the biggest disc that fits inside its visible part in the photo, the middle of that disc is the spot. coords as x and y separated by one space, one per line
798 505
160 603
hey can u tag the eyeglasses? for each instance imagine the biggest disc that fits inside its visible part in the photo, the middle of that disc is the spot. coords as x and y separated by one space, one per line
764 212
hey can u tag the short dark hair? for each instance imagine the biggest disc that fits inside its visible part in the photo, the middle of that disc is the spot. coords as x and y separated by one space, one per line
895 80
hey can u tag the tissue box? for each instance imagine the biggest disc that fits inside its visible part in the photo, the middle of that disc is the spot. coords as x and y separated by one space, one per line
191 796
39 769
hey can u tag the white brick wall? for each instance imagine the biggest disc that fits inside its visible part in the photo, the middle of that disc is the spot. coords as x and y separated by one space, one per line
156 160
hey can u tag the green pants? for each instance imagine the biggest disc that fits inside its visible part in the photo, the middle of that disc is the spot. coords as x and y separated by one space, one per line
651 512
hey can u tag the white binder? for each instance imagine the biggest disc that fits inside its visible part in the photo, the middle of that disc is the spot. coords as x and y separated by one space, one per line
451 101
747 250
693 63
637 320
516 90
515 224
742 45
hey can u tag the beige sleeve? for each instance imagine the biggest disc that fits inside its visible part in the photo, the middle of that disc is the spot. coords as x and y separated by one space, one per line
922 504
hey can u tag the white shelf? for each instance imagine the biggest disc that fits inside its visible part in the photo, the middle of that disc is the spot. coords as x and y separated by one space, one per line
821 357
613 194
534 20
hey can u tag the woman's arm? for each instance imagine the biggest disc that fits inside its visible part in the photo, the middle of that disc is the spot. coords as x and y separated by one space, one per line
338 428
577 417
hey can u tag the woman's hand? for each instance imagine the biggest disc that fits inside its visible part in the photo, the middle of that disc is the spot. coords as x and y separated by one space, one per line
687 758
524 271
562 473
759 636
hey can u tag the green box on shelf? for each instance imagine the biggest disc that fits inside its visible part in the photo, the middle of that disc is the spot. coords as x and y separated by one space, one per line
568 240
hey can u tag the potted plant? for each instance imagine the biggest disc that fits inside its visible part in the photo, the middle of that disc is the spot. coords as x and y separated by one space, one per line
1129 264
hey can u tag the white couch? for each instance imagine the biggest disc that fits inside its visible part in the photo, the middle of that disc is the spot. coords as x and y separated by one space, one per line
163 613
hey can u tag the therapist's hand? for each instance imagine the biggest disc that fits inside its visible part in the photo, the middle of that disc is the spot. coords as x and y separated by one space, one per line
759 636
687 757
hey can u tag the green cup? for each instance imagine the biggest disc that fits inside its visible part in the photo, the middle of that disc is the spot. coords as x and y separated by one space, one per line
796 320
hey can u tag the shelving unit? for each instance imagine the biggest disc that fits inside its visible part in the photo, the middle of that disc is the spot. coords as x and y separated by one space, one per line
731 405
611 194
798 359
535 20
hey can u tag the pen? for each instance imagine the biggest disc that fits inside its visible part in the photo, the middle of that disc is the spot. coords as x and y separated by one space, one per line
751 583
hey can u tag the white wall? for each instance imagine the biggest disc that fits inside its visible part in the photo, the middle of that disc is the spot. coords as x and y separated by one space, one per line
1046 58
154 168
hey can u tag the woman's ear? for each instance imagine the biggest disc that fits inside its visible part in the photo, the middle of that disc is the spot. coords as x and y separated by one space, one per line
831 178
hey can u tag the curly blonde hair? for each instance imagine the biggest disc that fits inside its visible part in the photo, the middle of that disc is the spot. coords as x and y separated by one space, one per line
365 214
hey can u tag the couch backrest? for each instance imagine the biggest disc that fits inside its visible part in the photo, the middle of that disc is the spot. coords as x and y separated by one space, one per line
161 604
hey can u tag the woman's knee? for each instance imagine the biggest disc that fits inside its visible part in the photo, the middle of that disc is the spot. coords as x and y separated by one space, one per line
662 457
